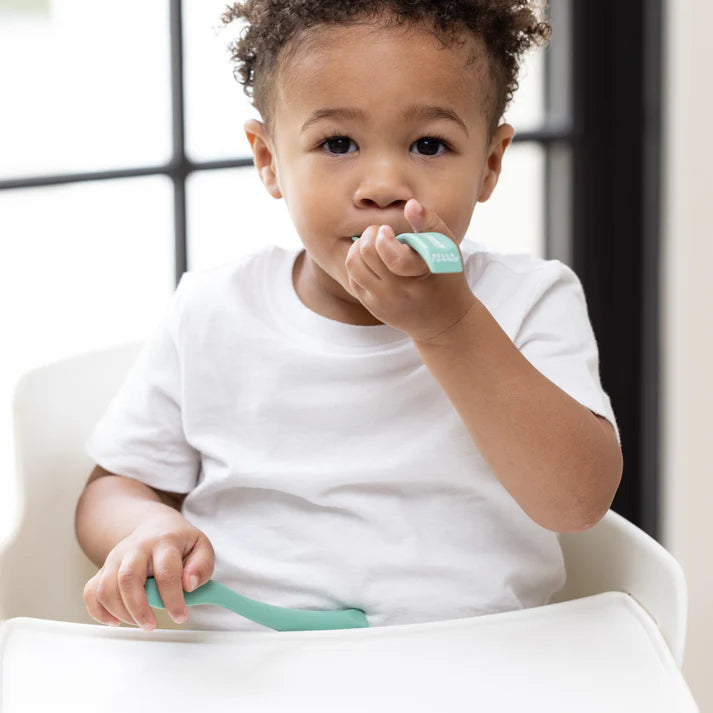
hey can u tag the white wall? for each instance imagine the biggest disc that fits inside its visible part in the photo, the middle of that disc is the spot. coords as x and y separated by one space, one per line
687 275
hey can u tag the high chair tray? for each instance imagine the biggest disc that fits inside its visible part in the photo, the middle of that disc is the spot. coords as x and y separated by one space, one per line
599 653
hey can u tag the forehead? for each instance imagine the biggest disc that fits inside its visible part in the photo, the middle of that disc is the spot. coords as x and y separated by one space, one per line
377 67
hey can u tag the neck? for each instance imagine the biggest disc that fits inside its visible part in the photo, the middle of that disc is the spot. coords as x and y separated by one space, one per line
324 295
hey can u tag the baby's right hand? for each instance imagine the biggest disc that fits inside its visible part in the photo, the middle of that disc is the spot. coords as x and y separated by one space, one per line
169 548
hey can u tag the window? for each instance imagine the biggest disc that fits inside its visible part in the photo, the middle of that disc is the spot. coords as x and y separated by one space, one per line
119 170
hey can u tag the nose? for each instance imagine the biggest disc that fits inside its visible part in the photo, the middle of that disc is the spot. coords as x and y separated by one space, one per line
383 184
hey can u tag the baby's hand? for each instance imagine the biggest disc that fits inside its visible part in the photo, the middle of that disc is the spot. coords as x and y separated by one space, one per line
394 283
178 555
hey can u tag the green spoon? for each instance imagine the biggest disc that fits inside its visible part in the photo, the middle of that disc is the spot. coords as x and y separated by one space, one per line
439 252
279 618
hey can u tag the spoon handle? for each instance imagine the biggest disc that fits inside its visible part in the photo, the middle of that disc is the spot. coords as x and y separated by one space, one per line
438 251
278 618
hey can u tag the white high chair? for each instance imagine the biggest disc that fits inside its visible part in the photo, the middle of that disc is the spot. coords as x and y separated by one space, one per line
614 634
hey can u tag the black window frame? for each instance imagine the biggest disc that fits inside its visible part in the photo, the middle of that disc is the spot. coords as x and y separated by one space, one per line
617 60
602 141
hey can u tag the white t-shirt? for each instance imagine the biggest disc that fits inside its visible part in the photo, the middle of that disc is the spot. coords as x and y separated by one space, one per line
324 462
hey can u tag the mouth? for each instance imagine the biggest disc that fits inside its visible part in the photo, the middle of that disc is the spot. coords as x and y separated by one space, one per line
396 230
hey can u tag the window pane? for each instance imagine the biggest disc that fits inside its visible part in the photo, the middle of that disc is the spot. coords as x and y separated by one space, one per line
231 214
512 221
83 266
527 109
88 88
216 107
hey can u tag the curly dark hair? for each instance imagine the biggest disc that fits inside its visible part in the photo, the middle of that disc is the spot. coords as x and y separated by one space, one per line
507 28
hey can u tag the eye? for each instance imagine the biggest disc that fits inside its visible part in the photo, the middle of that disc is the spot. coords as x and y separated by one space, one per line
337 144
429 145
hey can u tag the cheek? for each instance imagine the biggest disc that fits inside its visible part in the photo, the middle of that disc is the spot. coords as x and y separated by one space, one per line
469 199
457 210
314 216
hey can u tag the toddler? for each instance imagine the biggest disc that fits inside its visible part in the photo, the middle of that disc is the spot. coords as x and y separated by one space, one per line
334 426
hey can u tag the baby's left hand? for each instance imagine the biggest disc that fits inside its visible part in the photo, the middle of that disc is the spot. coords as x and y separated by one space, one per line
394 283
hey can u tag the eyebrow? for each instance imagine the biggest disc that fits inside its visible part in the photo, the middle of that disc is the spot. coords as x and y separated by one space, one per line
424 112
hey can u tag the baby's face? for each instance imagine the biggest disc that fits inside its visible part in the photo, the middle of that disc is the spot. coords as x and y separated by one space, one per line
367 118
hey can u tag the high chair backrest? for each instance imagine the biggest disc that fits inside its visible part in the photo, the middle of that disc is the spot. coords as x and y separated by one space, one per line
43 571
615 555
42 568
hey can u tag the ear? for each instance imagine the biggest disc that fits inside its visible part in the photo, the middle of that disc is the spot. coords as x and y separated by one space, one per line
501 140
264 155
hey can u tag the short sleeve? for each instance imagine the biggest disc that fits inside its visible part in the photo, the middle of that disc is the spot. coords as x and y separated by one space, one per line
141 434
557 338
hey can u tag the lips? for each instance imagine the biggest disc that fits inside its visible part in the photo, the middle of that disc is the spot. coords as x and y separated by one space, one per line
359 231
397 231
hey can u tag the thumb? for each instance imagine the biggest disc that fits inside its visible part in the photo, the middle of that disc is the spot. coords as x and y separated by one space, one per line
199 565
424 220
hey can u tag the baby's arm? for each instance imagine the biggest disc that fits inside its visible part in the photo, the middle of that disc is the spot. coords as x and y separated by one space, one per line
133 531
561 462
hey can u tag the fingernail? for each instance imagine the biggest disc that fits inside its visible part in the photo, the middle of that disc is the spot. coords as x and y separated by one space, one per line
180 618
146 626
192 582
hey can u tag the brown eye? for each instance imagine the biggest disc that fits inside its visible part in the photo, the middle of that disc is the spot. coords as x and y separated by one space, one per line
338 144
429 145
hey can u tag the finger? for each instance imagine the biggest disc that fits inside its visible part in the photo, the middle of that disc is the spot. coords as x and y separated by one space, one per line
199 565
425 220
363 281
399 258
132 580
359 277
108 596
95 609
168 568
371 264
